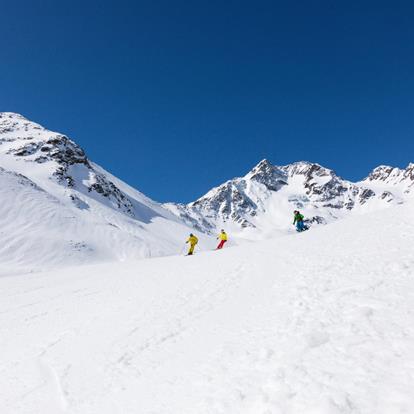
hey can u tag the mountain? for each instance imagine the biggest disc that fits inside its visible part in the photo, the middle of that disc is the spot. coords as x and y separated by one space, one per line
392 183
260 204
316 322
58 207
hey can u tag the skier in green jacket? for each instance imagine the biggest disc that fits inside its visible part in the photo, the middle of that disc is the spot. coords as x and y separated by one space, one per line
298 220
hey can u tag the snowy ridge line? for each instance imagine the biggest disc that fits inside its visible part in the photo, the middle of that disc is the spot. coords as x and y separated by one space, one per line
267 195
94 216
84 214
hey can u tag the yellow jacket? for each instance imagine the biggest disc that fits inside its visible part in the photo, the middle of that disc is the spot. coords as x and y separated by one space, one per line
222 236
192 240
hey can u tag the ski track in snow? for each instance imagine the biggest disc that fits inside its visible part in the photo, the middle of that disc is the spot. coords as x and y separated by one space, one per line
315 323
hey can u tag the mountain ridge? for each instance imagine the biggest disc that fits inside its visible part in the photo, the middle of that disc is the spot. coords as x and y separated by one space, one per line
318 190
88 214
255 206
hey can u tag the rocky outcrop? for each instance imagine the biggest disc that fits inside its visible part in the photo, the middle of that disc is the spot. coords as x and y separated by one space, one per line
67 161
301 185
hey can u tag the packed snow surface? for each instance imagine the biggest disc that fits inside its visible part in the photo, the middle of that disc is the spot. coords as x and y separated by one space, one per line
312 323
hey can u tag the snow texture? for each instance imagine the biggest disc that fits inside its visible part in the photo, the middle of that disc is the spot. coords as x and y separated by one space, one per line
256 206
320 322
59 208
312 323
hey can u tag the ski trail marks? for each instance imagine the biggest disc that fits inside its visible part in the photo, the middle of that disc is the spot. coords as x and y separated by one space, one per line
163 326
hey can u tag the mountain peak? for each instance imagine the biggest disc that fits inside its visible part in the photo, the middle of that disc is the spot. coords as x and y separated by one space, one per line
18 128
272 177
55 158
263 164
16 121
383 173
12 115
34 143
308 169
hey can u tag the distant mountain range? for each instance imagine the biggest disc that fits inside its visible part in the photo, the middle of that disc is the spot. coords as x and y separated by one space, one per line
262 201
58 207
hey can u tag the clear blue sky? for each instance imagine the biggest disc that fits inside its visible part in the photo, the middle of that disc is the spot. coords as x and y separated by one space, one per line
175 97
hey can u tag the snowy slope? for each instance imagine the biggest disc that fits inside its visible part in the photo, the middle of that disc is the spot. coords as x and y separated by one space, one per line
313 323
59 208
260 204
391 182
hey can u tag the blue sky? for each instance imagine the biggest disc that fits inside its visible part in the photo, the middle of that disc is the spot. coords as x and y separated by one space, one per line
175 97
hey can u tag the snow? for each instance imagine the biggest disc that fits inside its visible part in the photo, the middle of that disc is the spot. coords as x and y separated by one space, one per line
315 323
42 230
257 206
89 215
318 322
45 223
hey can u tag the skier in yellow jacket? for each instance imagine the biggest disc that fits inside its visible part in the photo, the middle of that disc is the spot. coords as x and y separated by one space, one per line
223 238
193 241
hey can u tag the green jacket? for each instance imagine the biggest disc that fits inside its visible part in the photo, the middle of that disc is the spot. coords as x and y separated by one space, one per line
297 218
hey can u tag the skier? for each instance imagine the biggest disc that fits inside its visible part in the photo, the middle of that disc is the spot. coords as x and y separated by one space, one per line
298 220
223 238
193 241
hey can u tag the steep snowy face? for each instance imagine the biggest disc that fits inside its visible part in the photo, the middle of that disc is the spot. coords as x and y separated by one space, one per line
324 188
272 177
59 208
237 200
265 197
64 161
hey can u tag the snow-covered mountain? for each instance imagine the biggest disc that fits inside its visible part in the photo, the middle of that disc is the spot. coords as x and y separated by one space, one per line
57 207
260 204
392 183
317 322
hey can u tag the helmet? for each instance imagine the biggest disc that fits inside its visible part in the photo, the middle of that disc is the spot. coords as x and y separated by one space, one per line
191 234
222 230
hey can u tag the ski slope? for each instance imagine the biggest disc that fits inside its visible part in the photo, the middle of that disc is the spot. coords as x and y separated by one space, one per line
40 230
314 323
58 208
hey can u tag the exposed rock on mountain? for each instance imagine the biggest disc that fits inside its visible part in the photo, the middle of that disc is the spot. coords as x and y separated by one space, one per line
268 194
255 206
69 163
58 207
396 178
